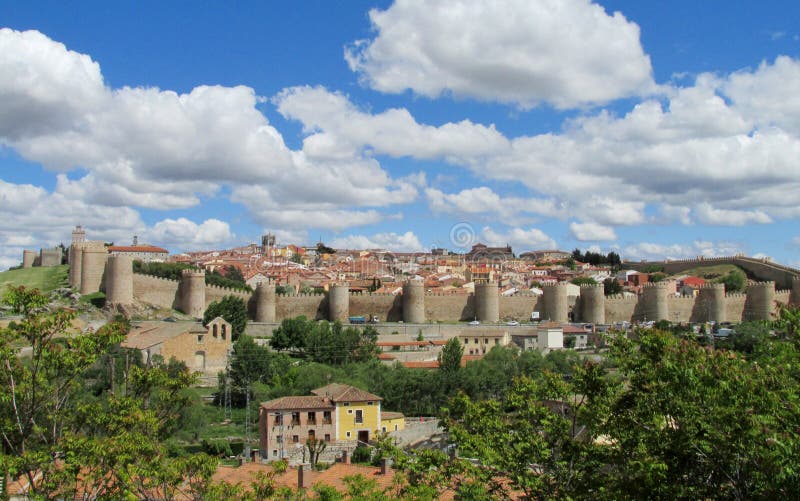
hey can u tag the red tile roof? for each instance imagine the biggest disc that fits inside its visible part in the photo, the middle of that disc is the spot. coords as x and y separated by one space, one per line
345 393
306 402
137 248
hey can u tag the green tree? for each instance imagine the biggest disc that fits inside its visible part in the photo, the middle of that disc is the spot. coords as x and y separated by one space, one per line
734 281
291 335
233 310
611 286
583 281
450 357
235 274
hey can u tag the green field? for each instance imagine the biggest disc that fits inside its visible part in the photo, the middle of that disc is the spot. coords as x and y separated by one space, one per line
44 279
711 272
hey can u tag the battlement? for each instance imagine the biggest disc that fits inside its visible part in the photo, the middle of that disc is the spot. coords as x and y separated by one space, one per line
93 246
655 285
228 290
751 283
592 286
193 273
622 297
554 284
712 286
153 277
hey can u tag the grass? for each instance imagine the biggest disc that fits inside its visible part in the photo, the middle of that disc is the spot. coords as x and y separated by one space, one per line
711 272
44 279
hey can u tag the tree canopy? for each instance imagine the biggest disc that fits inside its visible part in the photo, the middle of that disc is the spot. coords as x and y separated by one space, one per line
233 310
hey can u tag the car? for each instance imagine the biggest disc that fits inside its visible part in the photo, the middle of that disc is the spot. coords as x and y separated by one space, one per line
475 322
512 322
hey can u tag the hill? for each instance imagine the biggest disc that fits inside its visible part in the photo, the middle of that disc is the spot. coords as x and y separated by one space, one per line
44 279
712 272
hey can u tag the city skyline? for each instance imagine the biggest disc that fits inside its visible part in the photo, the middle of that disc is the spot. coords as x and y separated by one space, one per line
654 131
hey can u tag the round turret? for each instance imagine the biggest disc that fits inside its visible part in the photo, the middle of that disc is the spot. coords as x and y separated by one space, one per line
119 280
413 302
193 292
794 296
28 258
339 302
487 302
593 303
760 303
75 258
93 265
265 302
711 300
656 305
556 304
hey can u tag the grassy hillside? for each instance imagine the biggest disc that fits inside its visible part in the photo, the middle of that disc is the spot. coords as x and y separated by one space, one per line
44 279
711 272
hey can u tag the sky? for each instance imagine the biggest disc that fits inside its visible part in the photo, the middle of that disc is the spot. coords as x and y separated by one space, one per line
653 129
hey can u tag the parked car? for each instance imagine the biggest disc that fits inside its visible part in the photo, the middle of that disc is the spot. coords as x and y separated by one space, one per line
512 323
475 322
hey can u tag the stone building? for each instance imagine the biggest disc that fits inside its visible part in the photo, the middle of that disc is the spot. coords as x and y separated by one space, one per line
204 349
144 253
336 413
480 342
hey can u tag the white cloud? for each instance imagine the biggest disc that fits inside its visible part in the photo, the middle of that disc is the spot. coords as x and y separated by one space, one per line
337 129
655 251
398 242
520 239
709 215
153 148
565 52
190 235
591 232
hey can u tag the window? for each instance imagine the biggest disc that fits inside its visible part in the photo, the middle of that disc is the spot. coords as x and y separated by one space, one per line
370 403
349 411
348 434
295 418
274 453
326 417
279 438
359 416
346 404
278 419
312 435
327 437
383 429
312 418
295 438
496 341
486 341
476 341
214 330
200 338
395 427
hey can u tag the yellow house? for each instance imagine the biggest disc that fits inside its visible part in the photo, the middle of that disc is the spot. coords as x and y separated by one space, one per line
358 412
392 421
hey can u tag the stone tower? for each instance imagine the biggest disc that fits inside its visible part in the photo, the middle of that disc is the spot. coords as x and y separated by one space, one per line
50 257
28 258
93 264
655 297
339 302
193 292
794 296
265 302
593 303
413 302
78 235
487 302
760 303
75 262
711 300
119 280
556 304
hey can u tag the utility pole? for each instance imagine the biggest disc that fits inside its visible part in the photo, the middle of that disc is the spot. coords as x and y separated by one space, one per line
247 421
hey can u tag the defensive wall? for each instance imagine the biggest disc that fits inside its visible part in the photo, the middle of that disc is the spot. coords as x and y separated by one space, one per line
759 269
191 295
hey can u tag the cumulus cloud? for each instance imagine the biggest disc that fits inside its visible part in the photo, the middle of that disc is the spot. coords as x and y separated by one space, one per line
565 52
190 235
158 149
656 251
709 215
398 242
591 232
520 239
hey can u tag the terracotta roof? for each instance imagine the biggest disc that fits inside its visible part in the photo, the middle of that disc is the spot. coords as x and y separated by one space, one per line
439 342
148 334
137 248
345 393
428 364
391 415
390 344
333 476
385 356
307 402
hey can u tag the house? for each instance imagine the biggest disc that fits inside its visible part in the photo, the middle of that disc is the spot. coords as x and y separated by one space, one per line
479 342
144 253
203 349
336 413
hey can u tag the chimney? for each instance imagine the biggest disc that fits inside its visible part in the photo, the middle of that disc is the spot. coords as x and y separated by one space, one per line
303 476
345 457
385 466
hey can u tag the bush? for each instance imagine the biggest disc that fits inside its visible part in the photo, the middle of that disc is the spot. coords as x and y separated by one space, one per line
362 454
219 448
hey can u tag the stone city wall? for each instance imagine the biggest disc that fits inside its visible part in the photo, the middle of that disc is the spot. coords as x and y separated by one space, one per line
519 307
156 291
449 307
387 307
313 306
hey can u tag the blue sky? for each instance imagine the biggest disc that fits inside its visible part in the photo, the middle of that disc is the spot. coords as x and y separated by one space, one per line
655 129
